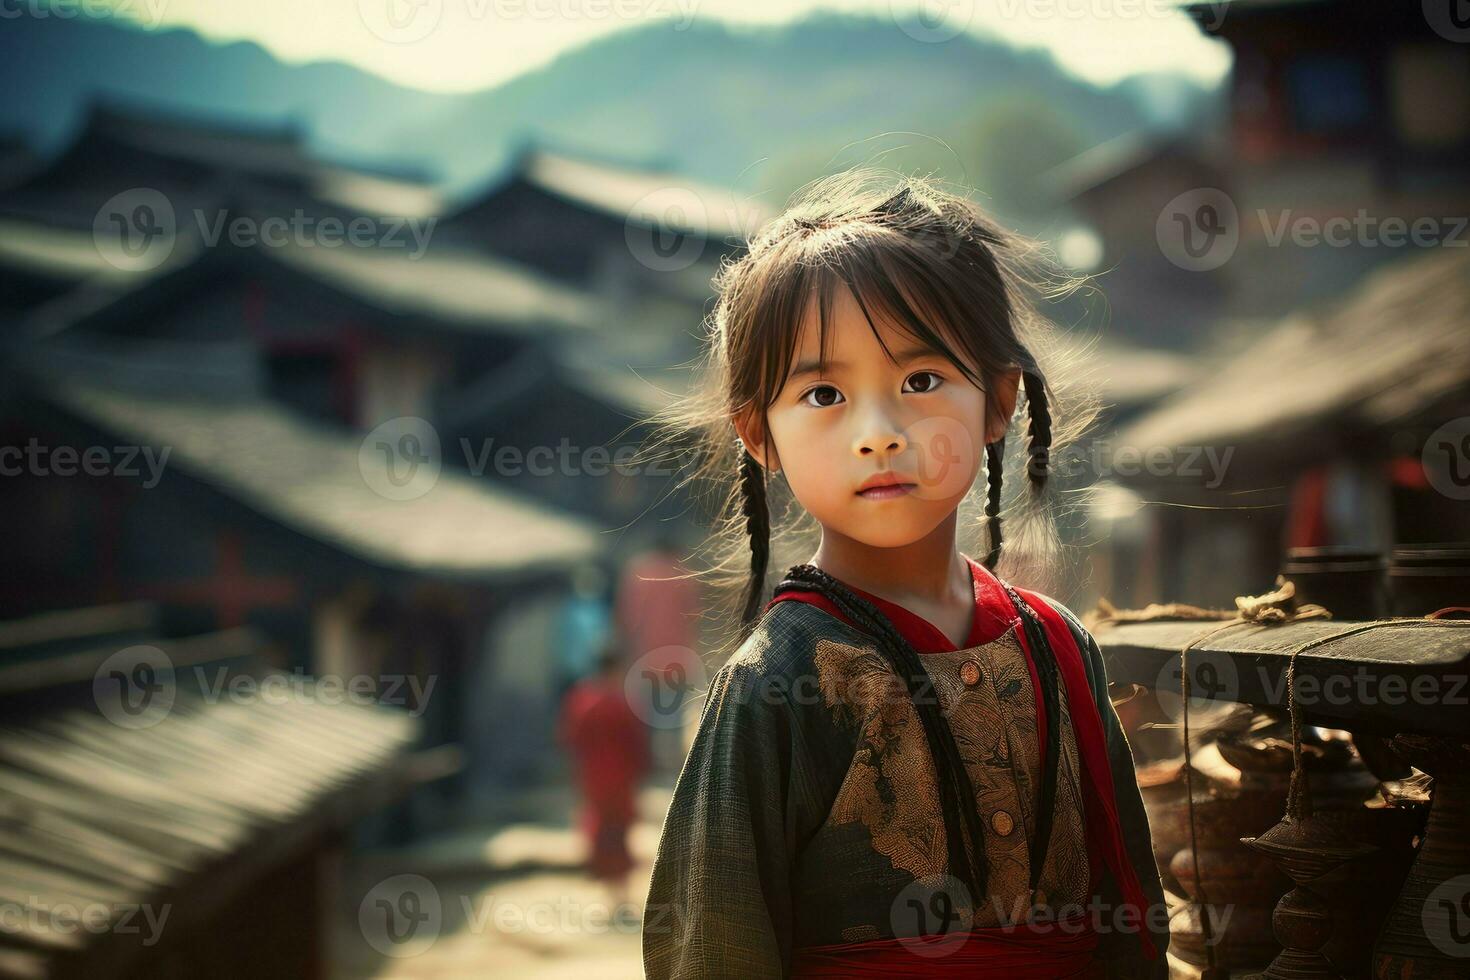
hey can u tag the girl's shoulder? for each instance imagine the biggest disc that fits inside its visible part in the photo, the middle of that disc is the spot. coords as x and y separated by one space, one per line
1087 645
782 647
1074 622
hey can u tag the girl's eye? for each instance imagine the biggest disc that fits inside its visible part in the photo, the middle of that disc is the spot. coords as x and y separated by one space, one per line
923 382
825 397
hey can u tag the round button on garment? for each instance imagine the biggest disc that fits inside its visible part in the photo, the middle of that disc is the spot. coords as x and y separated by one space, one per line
970 673
1002 823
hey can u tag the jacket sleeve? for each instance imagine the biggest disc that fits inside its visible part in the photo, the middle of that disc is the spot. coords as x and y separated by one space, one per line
719 903
1121 950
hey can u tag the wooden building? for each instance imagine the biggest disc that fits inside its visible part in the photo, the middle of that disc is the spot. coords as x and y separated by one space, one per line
1345 145
1315 434
1117 189
489 352
195 161
185 828
1336 305
240 390
232 511
644 239
1356 114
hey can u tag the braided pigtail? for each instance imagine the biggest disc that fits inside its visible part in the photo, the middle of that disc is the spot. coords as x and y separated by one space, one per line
757 529
1038 443
956 793
1048 675
1038 460
994 476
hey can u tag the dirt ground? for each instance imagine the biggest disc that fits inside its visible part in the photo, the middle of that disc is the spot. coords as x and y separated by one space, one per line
508 901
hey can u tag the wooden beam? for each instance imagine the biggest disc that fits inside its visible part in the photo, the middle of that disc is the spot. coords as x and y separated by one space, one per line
1410 676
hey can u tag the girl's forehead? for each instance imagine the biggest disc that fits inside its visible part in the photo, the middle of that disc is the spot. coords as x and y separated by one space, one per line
849 327
846 321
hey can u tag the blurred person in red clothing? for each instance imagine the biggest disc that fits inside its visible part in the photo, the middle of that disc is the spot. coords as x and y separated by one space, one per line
608 745
657 611
658 600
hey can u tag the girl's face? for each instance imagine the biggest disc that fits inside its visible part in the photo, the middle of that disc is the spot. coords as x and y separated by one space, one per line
878 450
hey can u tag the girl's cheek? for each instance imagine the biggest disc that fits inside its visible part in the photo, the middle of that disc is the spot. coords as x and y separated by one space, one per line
946 452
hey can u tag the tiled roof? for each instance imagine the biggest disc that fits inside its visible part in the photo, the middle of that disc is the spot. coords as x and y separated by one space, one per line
311 479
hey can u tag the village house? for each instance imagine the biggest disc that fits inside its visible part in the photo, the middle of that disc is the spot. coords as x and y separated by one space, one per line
241 386
643 238
1290 436
175 806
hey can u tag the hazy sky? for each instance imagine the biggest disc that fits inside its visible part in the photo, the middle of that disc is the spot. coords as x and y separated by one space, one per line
451 45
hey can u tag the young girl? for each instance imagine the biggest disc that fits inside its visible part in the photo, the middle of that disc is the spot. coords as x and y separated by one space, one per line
909 767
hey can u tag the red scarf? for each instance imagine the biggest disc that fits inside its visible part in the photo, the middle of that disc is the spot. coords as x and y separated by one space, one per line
994 615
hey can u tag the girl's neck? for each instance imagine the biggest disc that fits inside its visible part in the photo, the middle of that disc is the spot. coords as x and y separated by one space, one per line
930 569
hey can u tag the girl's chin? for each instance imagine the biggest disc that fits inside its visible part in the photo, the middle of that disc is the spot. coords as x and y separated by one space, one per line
885 531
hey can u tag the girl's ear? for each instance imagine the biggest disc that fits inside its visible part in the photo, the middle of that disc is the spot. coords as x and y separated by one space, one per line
1006 387
752 432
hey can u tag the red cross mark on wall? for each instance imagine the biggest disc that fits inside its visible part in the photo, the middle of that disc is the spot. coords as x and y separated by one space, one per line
232 591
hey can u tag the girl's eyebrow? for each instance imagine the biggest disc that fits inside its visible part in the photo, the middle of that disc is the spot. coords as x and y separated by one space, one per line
903 356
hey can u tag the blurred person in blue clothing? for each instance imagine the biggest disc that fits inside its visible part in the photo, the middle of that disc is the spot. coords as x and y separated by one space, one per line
583 626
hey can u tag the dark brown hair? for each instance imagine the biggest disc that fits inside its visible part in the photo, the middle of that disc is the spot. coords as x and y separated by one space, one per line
933 263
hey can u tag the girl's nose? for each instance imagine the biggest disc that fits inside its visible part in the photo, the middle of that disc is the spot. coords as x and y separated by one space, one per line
881 437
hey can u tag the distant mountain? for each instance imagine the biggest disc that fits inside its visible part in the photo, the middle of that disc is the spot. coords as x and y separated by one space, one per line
762 109
51 68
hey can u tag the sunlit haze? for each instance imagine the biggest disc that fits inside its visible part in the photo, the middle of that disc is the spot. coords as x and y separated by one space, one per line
459 45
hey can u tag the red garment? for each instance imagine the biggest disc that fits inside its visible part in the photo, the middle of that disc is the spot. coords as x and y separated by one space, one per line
1306 520
1062 951
994 614
1104 831
608 744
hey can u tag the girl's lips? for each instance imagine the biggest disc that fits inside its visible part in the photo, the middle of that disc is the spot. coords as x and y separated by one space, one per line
888 491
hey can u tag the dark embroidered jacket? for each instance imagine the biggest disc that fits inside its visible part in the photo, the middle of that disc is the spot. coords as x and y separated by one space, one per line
808 802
